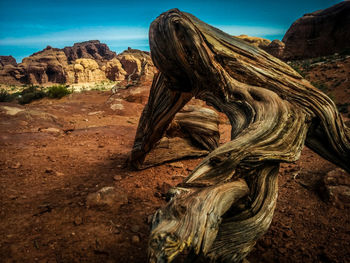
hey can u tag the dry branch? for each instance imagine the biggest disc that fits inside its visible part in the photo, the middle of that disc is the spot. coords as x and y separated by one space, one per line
227 202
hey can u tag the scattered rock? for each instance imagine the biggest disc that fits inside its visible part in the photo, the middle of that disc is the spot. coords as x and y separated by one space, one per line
11 110
309 179
51 130
117 106
13 197
337 177
135 239
59 174
288 233
268 257
176 165
23 123
16 165
135 228
109 196
78 221
117 177
339 195
95 113
337 186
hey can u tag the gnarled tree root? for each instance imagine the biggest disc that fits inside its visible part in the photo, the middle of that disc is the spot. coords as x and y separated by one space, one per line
227 202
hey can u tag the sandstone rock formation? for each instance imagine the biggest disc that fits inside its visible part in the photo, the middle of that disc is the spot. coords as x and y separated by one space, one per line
89 61
92 49
316 34
137 64
320 33
7 60
85 70
275 48
255 41
114 70
45 66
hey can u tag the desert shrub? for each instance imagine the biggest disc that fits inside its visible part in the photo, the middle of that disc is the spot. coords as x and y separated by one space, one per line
31 93
298 68
58 91
5 96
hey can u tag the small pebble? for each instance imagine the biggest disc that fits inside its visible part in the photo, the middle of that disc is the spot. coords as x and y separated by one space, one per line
78 221
16 166
135 239
117 178
135 228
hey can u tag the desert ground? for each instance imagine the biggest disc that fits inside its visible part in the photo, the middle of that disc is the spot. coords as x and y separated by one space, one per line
56 154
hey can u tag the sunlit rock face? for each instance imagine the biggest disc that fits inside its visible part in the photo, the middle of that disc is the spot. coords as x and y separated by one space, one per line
89 61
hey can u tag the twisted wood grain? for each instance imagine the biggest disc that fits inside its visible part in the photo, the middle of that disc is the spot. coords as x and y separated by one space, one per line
227 202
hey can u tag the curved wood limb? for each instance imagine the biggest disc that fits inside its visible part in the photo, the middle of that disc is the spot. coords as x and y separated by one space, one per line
163 104
227 202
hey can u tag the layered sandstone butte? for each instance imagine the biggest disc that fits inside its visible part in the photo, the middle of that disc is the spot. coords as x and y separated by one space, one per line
320 33
89 61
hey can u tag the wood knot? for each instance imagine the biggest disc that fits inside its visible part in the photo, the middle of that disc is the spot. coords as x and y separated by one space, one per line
217 160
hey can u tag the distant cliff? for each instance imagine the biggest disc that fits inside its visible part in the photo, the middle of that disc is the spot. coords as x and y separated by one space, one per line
89 61
320 33
316 34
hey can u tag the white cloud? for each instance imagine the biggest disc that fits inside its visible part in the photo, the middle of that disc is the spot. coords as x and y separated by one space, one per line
119 34
256 31
81 34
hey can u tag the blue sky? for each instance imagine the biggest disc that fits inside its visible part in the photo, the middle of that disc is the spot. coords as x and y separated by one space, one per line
29 26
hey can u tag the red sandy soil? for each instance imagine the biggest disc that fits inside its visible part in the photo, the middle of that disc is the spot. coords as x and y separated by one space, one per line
46 177
332 75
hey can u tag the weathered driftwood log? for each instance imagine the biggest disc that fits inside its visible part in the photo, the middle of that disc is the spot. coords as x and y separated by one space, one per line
227 202
194 132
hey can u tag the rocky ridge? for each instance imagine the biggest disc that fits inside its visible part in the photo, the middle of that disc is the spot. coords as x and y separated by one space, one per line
321 33
89 61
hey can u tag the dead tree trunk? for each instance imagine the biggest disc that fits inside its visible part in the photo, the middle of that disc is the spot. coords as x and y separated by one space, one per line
228 201
193 133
